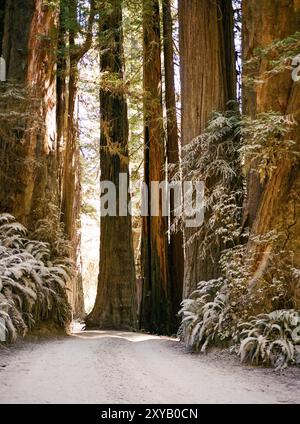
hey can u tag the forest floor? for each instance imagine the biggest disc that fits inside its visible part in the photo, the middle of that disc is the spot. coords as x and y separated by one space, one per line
112 367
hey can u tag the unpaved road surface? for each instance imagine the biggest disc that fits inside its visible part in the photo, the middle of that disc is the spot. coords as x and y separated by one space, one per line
111 367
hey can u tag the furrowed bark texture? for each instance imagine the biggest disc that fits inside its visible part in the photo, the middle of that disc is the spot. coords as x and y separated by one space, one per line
2 16
155 312
176 254
208 82
39 144
68 147
273 205
116 305
29 161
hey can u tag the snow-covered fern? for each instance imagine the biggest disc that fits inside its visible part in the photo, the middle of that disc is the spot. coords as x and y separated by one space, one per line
204 314
270 339
32 287
208 318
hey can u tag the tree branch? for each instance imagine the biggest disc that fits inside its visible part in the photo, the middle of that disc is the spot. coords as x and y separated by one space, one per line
81 51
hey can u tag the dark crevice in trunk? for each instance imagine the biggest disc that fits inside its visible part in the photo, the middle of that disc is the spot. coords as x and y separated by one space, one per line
2 14
17 23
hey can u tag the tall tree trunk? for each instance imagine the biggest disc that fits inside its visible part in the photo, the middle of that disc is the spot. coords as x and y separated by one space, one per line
116 305
176 256
2 16
273 205
208 82
69 154
29 151
39 153
155 312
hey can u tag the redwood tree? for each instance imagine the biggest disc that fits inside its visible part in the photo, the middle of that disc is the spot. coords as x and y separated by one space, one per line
273 205
39 152
155 312
70 54
28 147
116 304
207 82
176 257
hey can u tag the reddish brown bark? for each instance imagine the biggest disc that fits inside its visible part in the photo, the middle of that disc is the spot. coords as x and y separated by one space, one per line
69 154
155 312
33 161
116 304
273 205
29 179
208 82
176 257
68 137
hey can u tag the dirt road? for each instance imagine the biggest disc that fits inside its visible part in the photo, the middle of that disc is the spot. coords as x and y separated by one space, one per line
112 367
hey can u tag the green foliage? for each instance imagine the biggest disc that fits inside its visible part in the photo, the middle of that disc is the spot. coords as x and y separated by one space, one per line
214 158
133 49
208 318
52 4
213 313
51 230
32 285
217 156
89 209
266 141
260 279
20 111
270 339
204 315
112 83
279 56
89 133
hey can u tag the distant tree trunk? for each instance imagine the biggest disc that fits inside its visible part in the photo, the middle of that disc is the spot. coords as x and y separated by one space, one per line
67 130
208 79
2 15
155 312
28 176
176 257
71 182
116 305
273 205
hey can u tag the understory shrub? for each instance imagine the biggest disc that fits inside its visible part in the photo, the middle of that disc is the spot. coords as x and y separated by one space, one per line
32 283
268 339
259 273
204 315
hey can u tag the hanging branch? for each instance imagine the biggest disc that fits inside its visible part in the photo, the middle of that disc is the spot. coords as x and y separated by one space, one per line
79 52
